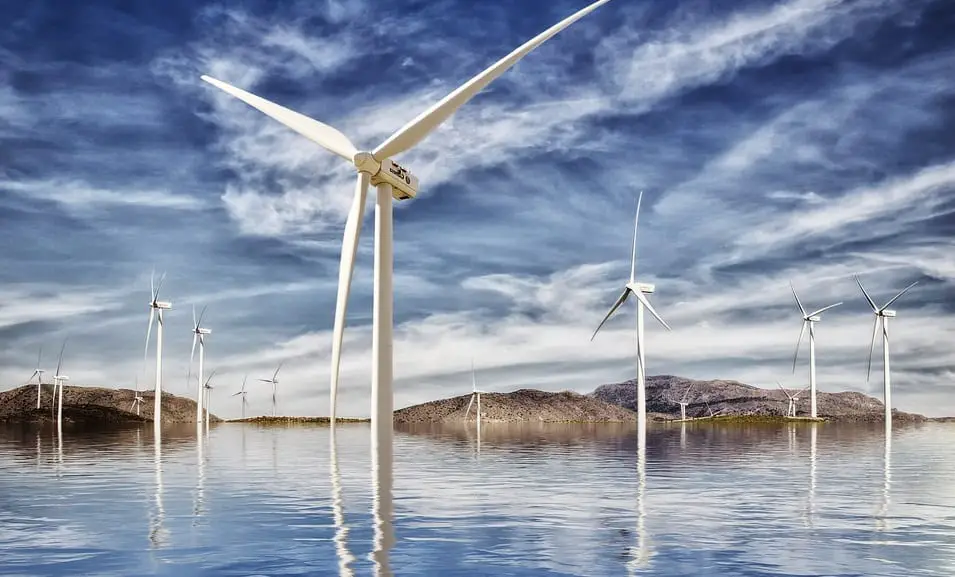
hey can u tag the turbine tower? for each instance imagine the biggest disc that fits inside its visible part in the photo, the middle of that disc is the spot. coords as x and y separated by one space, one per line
393 182
882 316
58 388
274 380
638 290
207 391
243 392
475 394
684 403
793 399
38 373
809 320
156 305
198 334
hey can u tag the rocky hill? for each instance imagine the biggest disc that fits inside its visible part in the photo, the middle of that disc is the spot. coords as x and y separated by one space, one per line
522 405
93 405
732 398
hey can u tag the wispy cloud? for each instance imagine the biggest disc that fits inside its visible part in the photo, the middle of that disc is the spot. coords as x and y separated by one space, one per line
80 197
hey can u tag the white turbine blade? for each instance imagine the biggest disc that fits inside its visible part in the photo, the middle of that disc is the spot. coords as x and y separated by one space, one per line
633 254
643 300
321 134
276 373
875 330
236 394
149 330
195 323
152 285
798 302
346 269
468 411
60 361
162 279
413 132
202 314
687 393
802 331
867 297
896 297
616 305
244 379
192 355
823 309
212 374
38 357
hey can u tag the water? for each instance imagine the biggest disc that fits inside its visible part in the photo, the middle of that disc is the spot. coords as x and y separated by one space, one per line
533 500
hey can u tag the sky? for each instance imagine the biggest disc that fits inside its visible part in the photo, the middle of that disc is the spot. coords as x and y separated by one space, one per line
797 141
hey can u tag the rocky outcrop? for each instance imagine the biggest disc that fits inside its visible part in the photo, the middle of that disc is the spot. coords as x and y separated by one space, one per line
93 405
732 398
522 405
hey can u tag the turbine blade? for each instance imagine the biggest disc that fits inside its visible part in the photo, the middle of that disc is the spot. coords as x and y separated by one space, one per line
645 302
896 297
823 309
212 374
149 330
195 323
202 313
244 379
687 393
875 330
798 302
38 357
468 411
643 368
413 132
802 331
152 284
633 254
276 373
346 269
162 279
867 297
236 394
192 355
620 300
59 362
321 134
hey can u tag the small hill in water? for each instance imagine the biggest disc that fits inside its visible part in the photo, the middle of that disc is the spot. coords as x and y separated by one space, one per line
732 398
522 405
93 405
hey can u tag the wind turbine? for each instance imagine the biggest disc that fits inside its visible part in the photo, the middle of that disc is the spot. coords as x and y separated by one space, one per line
274 380
793 399
882 315
809 319
684 403
137 400
198 334
243 392
393 182
207 391
38 373
475 394
58 388
156 305
638 290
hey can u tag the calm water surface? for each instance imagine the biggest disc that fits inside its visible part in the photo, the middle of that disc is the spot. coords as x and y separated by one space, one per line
534 500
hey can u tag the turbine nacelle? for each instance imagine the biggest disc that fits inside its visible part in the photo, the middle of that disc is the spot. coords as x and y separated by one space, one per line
202 331
404 184
814 318
61 378
889 314
160 305
645 288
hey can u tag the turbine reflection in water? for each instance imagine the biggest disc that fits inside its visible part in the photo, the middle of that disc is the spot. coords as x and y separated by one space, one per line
882 519
345 558
201 479
811 513
382 467
640 555
157 533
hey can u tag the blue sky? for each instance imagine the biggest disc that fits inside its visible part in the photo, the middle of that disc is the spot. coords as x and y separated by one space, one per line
803 139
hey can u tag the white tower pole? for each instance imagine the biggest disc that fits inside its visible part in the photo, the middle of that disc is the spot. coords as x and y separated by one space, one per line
382 395
157 401
273 396
886 376
812 369
39 386
200 392
641 378
59 404
479 415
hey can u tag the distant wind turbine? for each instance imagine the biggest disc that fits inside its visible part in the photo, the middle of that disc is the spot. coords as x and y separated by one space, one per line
198 334
156 305
207 392
638 290
475 394
274 380
684 403
243 392
882 316
137 400
809 319
393 182
793 399
58 388
38 373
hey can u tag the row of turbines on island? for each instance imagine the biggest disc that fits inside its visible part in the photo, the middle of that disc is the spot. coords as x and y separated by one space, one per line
394 182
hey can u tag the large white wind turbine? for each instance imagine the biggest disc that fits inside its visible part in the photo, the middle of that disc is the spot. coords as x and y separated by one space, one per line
38 373
809 319
475 394
156 305
274 380
243 392
882 316
58 388
638 290
393 182
198 334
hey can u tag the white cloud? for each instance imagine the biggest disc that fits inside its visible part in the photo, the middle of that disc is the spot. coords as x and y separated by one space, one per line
80 197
